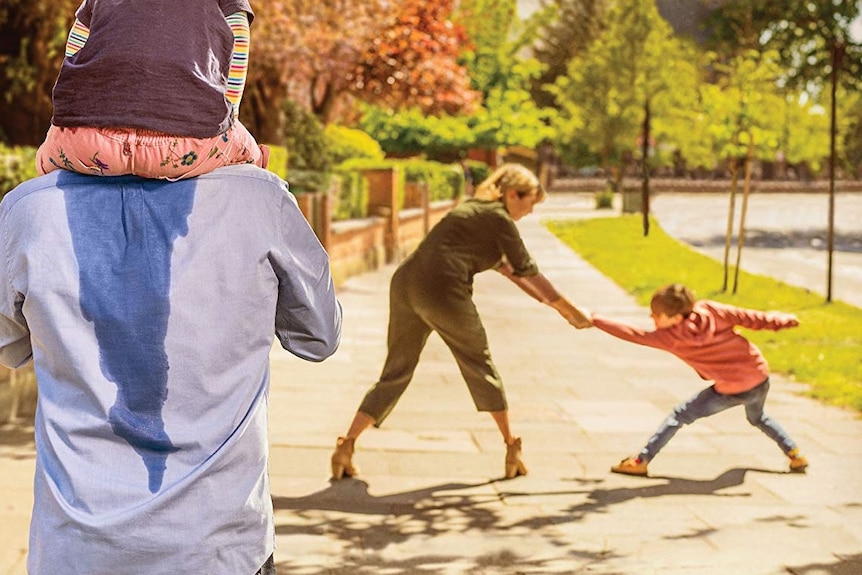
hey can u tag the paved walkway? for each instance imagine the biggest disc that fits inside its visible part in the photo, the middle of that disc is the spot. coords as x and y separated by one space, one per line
429 501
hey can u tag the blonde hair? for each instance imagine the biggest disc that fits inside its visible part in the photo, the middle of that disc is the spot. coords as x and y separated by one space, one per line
509 177
673 299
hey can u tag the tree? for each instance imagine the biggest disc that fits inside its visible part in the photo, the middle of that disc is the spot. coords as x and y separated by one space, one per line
604 94
565 29
413 62
305 50
508 115
32 40
815 47
746 111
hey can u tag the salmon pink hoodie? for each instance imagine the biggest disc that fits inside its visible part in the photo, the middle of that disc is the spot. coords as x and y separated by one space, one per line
706 341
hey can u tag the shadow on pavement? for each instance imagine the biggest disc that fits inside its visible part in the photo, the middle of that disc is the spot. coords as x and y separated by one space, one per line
804 239
599 500
16 440
846 565
366 525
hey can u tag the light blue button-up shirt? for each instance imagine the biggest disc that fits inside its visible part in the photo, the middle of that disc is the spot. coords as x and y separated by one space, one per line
149 310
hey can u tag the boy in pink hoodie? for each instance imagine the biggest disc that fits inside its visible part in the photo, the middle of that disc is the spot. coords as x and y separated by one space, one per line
700 332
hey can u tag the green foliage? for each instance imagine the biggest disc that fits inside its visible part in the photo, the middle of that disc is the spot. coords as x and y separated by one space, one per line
803 33
823 351
410 132
352 200
479 170
508 115
602 99
850 142
278 161
17 165
308 162
344 143
34 36
445 181
564 29
604 199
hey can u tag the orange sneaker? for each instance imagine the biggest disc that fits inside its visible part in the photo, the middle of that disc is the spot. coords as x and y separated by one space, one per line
798 463
631 466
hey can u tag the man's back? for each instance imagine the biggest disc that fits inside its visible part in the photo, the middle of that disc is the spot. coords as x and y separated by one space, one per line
151 308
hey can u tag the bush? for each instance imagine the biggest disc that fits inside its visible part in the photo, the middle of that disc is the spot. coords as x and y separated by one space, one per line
352 201
445 182
343 143
17 164
278 161
308 162
604 199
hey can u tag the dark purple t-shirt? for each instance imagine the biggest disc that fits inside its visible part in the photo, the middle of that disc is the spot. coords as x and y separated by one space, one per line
157 64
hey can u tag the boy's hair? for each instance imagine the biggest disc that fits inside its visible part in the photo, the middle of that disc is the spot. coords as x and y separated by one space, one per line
673 299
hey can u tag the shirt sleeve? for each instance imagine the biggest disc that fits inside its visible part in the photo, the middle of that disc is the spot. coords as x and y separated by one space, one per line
15 348
77 38
514 250
659 339
238 71
749 318
308 314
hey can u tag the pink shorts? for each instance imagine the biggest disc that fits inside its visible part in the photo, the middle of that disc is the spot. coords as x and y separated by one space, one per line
145 153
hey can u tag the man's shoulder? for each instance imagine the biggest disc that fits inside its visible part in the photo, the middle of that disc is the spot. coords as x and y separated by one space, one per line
236 179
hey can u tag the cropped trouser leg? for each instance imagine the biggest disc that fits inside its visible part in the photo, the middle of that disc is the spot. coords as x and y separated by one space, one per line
405 340
415 309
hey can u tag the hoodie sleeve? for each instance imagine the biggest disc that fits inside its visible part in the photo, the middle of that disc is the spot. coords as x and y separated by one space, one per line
659 339
750 318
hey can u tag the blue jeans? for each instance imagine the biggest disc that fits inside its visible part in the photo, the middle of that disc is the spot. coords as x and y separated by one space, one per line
268 568
709 402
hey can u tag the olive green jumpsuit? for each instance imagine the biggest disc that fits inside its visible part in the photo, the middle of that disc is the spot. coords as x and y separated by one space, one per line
432 291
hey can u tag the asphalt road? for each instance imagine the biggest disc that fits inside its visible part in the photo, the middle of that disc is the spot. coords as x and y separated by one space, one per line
785 235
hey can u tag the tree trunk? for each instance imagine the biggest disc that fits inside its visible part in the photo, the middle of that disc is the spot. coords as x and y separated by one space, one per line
749 158
728 236
645 168
837 57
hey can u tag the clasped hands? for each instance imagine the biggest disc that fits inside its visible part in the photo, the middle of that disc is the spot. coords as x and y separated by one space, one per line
571 314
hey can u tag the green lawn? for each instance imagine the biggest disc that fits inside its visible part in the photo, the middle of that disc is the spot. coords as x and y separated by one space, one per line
825 351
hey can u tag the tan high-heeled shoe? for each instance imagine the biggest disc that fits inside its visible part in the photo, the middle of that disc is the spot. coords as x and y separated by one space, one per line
342 464
514 465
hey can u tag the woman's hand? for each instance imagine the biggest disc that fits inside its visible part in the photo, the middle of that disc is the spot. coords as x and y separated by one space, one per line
577 318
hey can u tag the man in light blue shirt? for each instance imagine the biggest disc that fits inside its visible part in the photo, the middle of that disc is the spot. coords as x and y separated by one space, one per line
148 309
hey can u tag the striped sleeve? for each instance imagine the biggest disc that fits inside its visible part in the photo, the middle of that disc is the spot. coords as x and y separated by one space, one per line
77 38
238 23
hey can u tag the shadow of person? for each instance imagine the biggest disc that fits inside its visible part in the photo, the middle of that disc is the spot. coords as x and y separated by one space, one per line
351 495
600 500
17 440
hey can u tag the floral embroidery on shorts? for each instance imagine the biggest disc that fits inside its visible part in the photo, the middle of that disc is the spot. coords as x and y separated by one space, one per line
174 159
64 159
99 166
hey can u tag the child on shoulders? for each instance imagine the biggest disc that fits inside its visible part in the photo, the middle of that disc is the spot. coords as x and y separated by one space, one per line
152 89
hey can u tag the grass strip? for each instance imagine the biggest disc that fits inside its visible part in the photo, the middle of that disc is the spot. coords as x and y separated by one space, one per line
825 351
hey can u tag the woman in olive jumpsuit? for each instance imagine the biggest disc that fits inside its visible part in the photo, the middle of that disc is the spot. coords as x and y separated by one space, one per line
432 291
